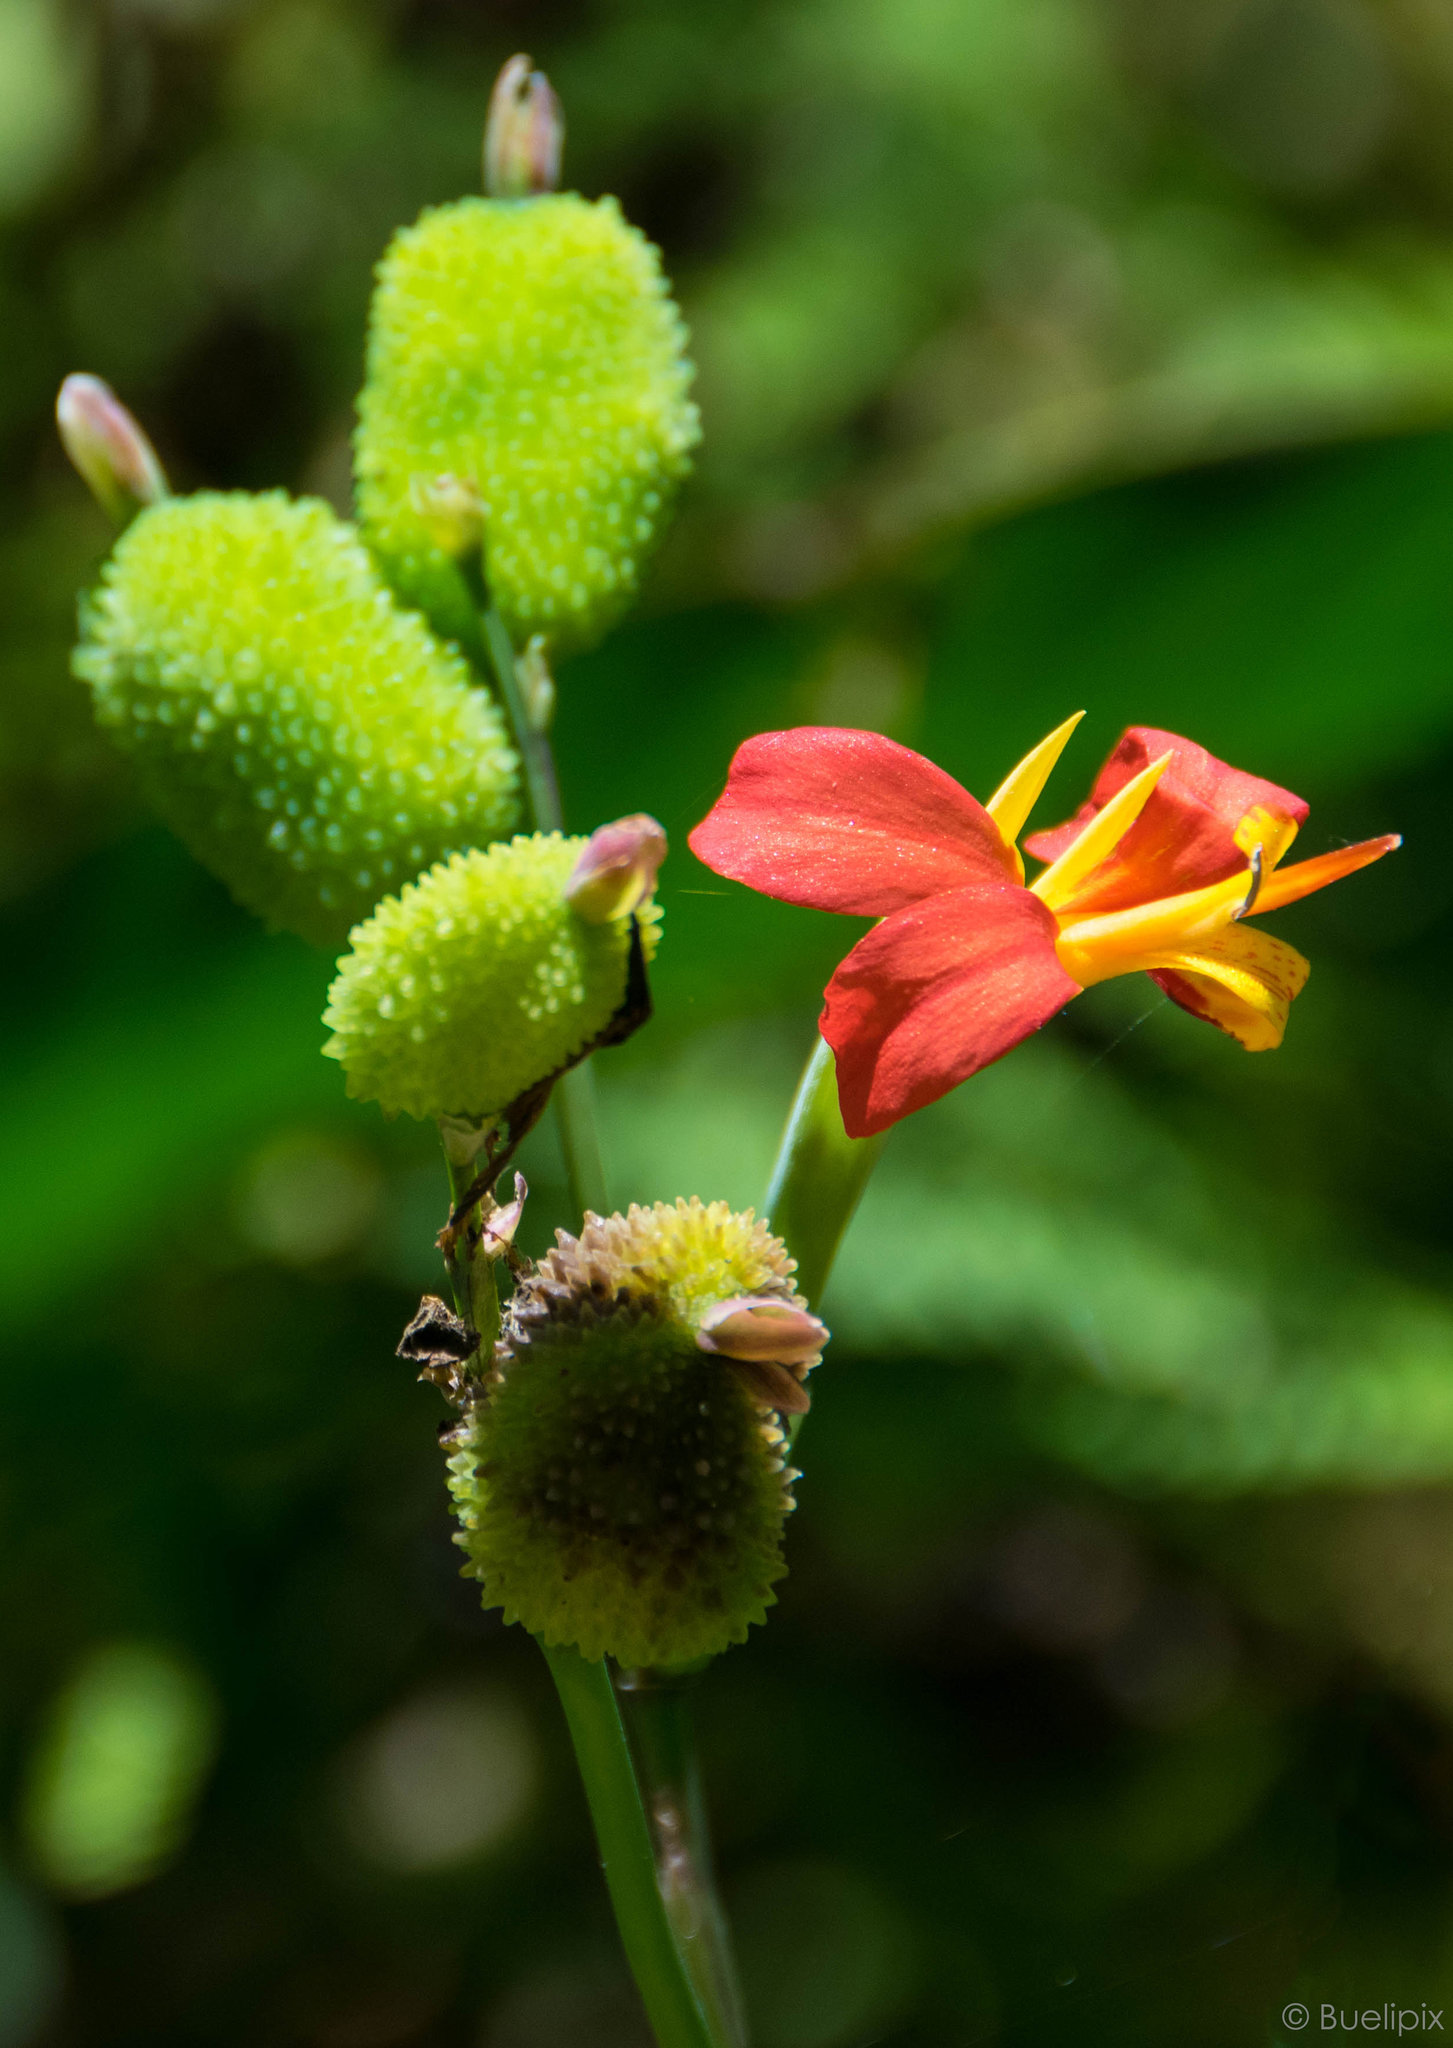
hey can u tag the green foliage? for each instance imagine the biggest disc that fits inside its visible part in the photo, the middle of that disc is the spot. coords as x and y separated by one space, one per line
1166 1331
476 981
529 347
1297 619
619 1488
940 258
302 732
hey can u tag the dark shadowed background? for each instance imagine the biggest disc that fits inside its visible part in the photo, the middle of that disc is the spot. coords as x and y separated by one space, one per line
1053 353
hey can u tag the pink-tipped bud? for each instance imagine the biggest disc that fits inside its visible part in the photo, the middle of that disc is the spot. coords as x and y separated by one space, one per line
761 1327
524 134
452 511
108 447
499 1226
617 869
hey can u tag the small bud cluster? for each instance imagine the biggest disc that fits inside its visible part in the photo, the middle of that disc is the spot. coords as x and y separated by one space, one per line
305 735
620 1485
532 351
478 981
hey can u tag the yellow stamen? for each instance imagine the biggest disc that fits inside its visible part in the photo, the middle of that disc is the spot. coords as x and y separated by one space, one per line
1023 786
1063 877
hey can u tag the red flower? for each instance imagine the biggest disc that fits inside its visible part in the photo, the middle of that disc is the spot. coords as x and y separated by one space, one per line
1155 872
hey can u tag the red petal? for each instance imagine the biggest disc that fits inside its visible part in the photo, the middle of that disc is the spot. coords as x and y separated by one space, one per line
935 992
845 820
1183 839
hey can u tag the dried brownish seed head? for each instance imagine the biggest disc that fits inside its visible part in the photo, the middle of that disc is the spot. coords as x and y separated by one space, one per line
624 1488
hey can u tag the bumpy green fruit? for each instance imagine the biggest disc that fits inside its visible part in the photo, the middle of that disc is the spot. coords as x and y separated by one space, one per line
305 734
531 348
477 981
619 1487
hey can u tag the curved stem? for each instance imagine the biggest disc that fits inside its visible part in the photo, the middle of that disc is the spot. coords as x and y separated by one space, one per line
819 1176
627 1854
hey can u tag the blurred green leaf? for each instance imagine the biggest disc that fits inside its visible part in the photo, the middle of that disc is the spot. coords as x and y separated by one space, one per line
45 66
118 1769
112 1125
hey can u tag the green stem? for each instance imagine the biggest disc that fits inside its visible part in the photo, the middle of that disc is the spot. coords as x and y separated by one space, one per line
816 1185
538 761
819 1176
674 1938
573 1099
628 1856
472 1281
656 1707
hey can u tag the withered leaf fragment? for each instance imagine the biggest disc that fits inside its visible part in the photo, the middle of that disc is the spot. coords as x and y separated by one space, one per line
441 1344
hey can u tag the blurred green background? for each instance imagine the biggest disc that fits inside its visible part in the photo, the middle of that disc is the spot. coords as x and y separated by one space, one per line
1053 353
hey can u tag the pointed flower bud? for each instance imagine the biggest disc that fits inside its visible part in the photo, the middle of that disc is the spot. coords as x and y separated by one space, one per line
478 981
619 1487
524 134
617 869
452 513
108 447
757 1326
308 738
764 1340
497 1228
534 349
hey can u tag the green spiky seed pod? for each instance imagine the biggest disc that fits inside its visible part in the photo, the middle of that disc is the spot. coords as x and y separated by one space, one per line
303 732
531 347
619 1487
477 981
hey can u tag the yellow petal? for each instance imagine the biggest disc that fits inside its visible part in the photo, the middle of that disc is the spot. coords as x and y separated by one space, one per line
1099 838
1244 981
1022 787
1093 949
